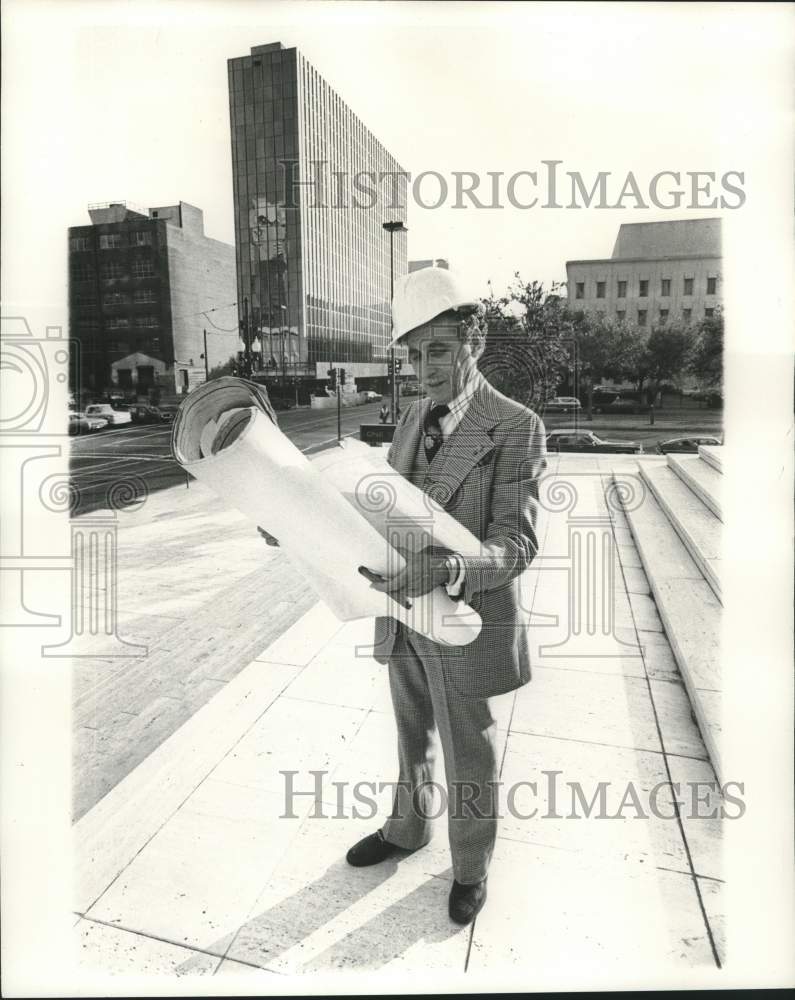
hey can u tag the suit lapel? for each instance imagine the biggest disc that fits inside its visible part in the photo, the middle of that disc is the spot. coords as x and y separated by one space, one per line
407 441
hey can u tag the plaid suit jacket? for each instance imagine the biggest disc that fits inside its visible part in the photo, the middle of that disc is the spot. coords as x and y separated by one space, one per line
486 476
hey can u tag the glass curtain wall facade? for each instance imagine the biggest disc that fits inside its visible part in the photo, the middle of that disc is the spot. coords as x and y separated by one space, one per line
312 263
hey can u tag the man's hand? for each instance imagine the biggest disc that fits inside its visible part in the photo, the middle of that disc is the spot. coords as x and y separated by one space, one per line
268 538
423 571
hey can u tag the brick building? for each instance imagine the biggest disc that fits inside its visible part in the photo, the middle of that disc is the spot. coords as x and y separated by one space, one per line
659 273
143 286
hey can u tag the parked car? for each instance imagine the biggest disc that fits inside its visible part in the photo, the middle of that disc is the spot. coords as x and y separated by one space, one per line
578 440
144 413
619 405
562 404
113 415
685 446
79 423
167 412
373 397
410 389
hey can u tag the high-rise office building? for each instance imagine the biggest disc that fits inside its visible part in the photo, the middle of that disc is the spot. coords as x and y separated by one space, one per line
313 261
144 284
659 273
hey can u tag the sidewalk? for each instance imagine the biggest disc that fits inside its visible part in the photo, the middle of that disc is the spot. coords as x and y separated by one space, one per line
186 868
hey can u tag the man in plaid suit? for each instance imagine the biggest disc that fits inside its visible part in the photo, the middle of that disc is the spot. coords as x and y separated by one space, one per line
479 454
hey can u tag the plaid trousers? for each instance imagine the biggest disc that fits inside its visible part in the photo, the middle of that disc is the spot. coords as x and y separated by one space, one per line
425 704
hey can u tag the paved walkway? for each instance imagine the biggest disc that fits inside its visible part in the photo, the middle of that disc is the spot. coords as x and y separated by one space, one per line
186 866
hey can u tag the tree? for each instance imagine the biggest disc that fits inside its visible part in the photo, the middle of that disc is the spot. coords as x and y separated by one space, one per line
667 353
529 340
706 360
227 368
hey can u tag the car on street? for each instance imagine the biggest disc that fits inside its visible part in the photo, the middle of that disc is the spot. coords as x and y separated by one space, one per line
372 397
619 404
562 404
107 412
144 413
571 439
281 402
79 423
685 445
167 412
410 389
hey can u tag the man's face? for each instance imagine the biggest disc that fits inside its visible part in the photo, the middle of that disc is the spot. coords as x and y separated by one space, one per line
443 362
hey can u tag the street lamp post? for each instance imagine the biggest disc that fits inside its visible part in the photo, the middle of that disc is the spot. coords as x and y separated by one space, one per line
392 228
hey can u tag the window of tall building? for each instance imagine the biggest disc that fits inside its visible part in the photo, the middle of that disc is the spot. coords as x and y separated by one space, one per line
622 289
687 315
118 322
141 239
79 243
146 321
600 289
621 315
82 272
579 290
665 286
144 295
114 298
688 286
663 315
110 241
641 317
643 288
112 270
708 313
712 286
143 269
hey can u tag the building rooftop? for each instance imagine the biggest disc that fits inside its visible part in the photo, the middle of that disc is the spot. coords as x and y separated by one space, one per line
678 238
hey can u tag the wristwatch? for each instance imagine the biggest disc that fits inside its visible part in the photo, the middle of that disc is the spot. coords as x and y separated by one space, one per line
455 572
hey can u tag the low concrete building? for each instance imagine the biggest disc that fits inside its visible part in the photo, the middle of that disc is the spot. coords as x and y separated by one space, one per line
659 273
144 285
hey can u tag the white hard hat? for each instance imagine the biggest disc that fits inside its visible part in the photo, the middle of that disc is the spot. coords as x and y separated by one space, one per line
423 295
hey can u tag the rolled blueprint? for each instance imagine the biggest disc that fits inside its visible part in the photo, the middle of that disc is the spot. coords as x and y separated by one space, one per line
331 515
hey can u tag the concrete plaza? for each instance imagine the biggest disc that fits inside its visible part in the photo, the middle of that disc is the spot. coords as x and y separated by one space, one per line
185 866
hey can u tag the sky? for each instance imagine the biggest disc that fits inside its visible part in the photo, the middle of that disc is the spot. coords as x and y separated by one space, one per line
110 100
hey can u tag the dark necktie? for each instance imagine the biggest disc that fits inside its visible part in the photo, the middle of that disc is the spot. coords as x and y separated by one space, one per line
433 430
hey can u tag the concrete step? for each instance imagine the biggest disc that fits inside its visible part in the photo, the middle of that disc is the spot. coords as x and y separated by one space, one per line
702 478
695 523
711 454
690 612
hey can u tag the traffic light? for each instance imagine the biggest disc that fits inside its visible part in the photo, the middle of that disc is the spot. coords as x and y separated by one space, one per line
342 376
332 373
398 365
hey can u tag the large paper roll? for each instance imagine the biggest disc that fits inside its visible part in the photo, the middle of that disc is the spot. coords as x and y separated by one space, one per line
342 510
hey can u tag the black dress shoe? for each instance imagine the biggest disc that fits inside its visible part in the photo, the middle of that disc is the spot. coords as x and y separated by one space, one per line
371 850
466 901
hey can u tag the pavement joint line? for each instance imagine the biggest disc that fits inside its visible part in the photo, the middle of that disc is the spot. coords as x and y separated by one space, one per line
593 743
156 937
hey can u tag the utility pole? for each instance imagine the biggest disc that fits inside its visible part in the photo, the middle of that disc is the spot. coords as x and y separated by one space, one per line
206 361
339 408
392 228
246 341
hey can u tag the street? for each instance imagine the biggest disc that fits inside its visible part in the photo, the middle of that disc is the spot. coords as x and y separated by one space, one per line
121 464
